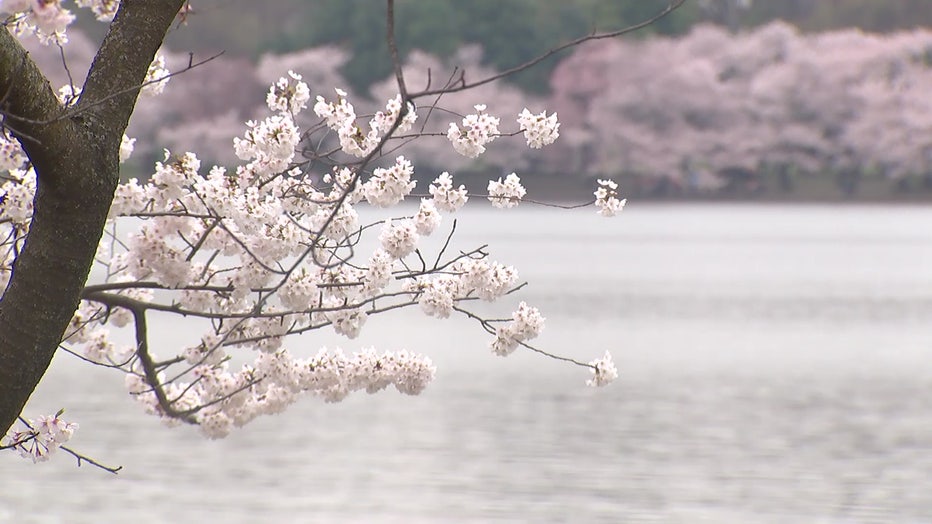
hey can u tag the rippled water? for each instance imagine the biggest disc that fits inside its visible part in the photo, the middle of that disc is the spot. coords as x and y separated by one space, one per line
776 367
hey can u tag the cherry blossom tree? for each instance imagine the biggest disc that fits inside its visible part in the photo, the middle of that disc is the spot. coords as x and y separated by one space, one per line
257 253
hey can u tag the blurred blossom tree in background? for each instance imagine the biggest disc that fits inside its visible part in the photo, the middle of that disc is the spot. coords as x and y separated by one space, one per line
264 250
697 110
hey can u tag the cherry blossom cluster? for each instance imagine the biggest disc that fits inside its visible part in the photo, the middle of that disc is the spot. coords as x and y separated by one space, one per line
341 118
19 183
219 400
12 156
526 324
603 371
508 193
156 77
17 189
267 251
539 130
38 439
474 132
468 277
446 198
606 198
288 95
389 186
103 10
48 19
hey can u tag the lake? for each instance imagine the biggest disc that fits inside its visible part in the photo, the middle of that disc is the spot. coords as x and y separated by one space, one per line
775 366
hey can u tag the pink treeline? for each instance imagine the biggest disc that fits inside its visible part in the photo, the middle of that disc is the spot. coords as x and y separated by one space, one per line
771 98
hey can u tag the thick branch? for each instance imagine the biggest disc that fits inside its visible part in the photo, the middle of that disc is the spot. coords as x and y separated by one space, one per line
24 92
149 368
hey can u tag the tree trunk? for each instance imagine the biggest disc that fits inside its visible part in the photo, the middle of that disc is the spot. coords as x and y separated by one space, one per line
76 159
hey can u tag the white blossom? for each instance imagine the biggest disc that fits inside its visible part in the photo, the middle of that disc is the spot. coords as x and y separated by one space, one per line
209 352
389 186
384 120
339 225
288 94
129 197
12 155
270 144
17 196
478 129
40 438
348 322
399 238
176 174
539 130
606 199
412 372
379 272
300 290
47 19
603 371
340 116
335 114
504 342
488 280
354 141
157 77
214 423
508 193
68 94
526 324
427 218
126 148
445 197
438 295
98 346
103 10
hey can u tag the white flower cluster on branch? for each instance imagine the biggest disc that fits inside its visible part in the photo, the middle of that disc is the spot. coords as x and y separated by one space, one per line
387 187
445 197
526 324
606 198
508 193
603 371
38 439
476 130
219 400
288 95
539 130
47 19
341 117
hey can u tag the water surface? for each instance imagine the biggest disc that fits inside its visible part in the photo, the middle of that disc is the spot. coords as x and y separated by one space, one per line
776 366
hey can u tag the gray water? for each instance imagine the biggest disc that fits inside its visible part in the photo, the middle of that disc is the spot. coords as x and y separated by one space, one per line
776 366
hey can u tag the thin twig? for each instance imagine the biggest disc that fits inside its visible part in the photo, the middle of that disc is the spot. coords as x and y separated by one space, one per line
84 458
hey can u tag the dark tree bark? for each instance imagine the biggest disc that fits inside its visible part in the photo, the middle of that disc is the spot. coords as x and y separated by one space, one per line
76 159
